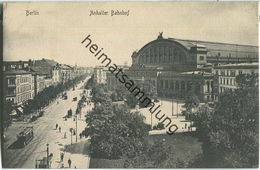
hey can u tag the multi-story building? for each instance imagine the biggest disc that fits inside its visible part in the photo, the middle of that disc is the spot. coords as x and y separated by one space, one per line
226 75
66 72
100 75
56 75
18 86
185 66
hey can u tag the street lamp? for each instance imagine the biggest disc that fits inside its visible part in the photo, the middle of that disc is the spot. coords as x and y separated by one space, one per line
76 128
47 155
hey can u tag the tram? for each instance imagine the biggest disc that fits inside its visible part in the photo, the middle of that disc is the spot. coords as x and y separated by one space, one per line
25 136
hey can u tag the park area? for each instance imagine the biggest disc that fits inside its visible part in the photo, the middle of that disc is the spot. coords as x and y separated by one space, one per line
185 148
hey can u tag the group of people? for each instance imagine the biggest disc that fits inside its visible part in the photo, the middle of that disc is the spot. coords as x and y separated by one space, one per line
57 127
61 160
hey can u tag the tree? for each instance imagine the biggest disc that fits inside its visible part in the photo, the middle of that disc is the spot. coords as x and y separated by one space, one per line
119 94
131 101
90 83
155 155
229 132
7 109
100 94
192 102
115 131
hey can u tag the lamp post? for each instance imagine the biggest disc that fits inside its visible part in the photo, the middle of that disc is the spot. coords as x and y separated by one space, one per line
47 155
76 128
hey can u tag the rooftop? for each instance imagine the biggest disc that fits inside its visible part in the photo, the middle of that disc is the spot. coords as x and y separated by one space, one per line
17 72
41 70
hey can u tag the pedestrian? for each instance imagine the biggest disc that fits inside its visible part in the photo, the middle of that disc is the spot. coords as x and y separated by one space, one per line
69 162
56 126
59 129
65 136
51 155
185 125
61 156
80 135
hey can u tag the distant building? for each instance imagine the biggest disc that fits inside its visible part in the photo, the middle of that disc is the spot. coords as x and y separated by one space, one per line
100 76
56 75
66 72
226 74
18 86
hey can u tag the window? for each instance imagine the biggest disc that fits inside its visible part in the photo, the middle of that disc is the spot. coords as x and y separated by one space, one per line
11 81
201 58
232 73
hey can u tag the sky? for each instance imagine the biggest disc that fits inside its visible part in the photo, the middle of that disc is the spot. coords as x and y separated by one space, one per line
56 33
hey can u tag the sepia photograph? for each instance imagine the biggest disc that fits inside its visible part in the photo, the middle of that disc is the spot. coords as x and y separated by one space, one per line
129 85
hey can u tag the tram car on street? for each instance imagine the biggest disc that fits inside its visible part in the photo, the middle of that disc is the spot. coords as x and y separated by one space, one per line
25 136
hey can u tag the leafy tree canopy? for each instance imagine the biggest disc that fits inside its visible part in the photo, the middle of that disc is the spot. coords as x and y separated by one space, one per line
229 132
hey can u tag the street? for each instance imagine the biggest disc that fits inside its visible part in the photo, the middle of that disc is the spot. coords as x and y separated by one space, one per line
45 133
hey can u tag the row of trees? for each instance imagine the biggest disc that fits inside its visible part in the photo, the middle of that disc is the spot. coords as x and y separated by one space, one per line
229 131
120 93
47 95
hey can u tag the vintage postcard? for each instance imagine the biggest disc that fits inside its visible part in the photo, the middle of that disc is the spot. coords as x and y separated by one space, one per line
129 85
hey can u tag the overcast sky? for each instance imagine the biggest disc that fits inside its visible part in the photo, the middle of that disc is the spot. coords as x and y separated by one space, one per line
59 28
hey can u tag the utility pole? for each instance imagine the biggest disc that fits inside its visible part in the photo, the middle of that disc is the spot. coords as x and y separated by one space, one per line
151 122
172 106
47 155
177 108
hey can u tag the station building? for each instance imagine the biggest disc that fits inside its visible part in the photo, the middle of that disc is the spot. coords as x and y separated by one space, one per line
179 67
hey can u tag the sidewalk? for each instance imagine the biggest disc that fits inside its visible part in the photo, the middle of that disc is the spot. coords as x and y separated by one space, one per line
76 152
